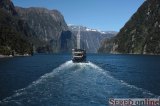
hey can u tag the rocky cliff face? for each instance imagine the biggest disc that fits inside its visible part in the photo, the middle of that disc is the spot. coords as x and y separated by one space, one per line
106 45
141 34
91 38
49 26
8 6
13 34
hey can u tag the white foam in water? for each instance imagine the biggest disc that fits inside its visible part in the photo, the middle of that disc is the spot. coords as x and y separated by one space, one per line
106 73
66 67
133 86
121 81
137 88
19 92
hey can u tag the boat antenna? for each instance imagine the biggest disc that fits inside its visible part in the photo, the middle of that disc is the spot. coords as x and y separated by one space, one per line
78 38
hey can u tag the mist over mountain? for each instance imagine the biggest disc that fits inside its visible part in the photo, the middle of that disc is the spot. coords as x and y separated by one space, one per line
91 38
141 34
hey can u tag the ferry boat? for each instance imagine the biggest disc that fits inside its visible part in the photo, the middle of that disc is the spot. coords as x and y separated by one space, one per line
78 54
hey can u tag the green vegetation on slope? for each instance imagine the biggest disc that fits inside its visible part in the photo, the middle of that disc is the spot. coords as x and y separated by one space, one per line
12 39
141 34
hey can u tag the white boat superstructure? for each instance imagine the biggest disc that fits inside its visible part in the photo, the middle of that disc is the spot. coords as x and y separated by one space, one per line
78 54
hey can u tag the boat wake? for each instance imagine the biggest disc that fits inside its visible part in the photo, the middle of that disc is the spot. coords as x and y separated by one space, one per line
75 84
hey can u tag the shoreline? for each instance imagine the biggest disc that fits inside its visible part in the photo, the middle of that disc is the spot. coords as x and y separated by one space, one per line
5 56
149 54
10 56
26 55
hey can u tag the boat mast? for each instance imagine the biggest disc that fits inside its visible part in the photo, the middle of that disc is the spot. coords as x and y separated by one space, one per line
78 38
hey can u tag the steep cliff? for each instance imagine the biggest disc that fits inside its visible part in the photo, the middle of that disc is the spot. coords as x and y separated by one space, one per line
106 45
141 34
13 34
49 26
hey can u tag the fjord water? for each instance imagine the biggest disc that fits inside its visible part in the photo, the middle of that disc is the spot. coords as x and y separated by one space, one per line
53 79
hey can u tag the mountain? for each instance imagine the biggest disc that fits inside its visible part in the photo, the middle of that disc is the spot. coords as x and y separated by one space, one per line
91 38
141 34
13 34
50 27
106 45
8 7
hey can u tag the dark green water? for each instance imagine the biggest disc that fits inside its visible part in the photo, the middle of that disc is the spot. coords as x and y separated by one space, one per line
53 80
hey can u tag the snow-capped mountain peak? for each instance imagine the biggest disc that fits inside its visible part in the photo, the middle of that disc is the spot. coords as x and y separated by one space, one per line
82 28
